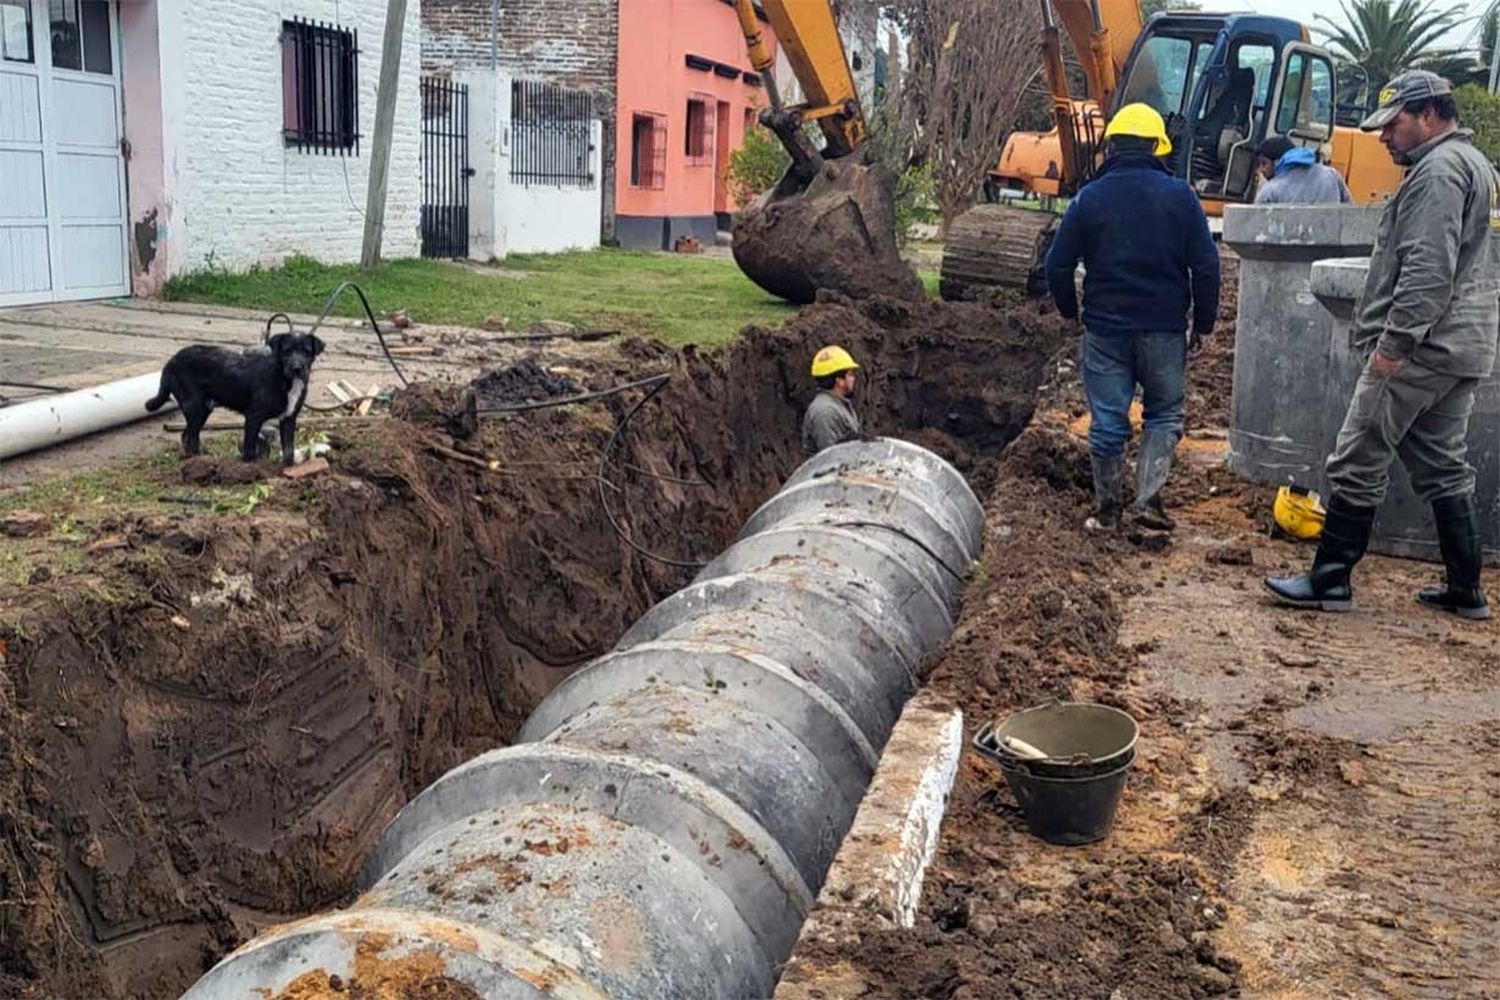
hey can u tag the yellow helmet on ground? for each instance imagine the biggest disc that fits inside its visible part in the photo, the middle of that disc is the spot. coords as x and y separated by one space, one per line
1299 512
830 361
1143 121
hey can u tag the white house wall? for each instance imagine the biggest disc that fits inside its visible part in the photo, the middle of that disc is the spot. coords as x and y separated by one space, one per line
508 216
237 194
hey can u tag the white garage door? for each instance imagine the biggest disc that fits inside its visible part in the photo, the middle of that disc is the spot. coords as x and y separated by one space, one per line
62 200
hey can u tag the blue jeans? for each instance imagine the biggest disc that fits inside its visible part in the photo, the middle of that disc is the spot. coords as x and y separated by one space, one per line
1113 366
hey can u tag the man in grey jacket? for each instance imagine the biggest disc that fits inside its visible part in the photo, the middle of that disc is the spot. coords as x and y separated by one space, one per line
1293 176
830 418
1431 312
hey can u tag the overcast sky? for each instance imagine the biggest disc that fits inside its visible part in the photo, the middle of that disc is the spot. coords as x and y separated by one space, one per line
1467 34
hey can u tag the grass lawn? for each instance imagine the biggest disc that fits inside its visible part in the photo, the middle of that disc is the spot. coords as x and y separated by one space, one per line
678 299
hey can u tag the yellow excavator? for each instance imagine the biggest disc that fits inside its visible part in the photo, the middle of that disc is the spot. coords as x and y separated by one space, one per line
831 221
1223 83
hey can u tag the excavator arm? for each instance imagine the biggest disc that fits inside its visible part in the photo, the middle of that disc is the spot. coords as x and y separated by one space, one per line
831 221
809 37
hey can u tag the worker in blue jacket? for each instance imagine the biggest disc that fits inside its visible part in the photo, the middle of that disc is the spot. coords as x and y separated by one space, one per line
1148 261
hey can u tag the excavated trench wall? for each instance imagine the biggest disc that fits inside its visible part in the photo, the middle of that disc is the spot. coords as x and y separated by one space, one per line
204 730
665 823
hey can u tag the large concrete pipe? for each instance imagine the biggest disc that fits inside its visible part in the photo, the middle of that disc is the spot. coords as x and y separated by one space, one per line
1404 525
1276 432
667 818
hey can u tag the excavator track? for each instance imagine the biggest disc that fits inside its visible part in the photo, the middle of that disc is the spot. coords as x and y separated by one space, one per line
996 246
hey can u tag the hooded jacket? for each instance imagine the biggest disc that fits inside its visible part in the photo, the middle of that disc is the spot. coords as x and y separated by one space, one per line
1299 179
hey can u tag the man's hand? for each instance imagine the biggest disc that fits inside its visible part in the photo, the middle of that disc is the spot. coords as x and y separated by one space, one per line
1195 341
1384 365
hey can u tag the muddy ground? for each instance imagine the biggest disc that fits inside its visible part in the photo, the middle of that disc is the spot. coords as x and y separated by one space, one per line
204 725
1311 812
207 717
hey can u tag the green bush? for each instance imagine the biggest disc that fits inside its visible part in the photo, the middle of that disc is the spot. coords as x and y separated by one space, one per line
757 165
1480 111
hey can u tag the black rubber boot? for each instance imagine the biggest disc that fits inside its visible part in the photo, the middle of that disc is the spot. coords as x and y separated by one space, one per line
1152 465
1458 539
1325 587
1109 472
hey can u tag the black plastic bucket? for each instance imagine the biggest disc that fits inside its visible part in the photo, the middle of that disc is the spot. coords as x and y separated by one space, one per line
1070 796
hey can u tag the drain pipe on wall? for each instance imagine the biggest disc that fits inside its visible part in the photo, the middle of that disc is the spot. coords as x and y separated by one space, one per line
670 811
50 420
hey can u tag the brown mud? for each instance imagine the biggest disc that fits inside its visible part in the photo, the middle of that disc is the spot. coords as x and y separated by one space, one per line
838 234
204 728
1308 815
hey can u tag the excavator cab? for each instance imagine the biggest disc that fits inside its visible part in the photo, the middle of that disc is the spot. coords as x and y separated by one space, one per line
1222 83
1235 81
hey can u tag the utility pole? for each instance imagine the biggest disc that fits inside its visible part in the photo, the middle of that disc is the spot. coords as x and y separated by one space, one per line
385 122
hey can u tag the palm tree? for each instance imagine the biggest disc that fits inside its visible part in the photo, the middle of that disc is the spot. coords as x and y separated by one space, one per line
1385 38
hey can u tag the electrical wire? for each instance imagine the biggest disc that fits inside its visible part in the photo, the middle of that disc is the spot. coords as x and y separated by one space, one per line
609 447
328 308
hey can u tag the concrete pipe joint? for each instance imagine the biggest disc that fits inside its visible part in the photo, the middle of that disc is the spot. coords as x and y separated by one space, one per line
663 824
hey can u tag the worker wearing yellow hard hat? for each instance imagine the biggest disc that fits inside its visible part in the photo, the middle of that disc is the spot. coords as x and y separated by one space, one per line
1143 122
830 418
1150 294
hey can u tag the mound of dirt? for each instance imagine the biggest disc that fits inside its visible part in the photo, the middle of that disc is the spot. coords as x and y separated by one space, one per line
1211 370
1004 915
523 382
837 234
204 729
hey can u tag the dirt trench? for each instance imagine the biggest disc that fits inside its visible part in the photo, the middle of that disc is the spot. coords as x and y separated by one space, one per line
203 731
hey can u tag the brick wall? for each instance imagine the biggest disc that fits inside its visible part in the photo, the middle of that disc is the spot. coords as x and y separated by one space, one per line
570 42
241 196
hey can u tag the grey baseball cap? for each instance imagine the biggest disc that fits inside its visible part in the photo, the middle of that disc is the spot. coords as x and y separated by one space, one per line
1413 85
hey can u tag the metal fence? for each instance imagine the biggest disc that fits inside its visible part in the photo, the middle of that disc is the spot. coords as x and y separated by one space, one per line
445 168
551 137
320 86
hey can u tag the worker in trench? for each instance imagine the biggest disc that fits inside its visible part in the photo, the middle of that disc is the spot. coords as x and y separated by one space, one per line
830 418
1429 316
1293 176
1148 260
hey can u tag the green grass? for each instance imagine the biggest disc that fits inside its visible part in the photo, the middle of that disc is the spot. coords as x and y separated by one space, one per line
72 501
678 299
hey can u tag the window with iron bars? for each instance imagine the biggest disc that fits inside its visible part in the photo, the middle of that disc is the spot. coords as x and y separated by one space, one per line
699 138
551 135
319 87
648 151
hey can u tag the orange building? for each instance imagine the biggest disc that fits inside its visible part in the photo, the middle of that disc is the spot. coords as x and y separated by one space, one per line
685 94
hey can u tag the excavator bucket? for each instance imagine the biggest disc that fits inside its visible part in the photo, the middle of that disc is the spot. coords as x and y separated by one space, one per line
837 232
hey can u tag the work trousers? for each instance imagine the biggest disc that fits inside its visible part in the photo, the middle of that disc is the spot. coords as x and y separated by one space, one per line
1113 365
1419 414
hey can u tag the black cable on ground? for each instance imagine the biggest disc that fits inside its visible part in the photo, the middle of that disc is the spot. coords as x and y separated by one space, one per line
39 388
328 308
266 336
660 383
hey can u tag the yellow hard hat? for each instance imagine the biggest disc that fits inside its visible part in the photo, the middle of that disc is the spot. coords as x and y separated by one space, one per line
830 361
1299 512
1140 120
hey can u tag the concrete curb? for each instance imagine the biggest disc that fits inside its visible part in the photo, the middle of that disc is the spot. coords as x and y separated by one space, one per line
875 882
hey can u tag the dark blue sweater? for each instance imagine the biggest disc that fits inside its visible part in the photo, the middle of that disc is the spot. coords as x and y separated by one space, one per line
1146 251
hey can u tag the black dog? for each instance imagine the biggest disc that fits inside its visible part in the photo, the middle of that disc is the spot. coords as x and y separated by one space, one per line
267 383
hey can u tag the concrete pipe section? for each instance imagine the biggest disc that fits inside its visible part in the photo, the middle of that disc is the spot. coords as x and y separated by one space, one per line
666 819
1404 525
1281 356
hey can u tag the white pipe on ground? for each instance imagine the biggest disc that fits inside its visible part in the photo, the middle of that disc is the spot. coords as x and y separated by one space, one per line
42 423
